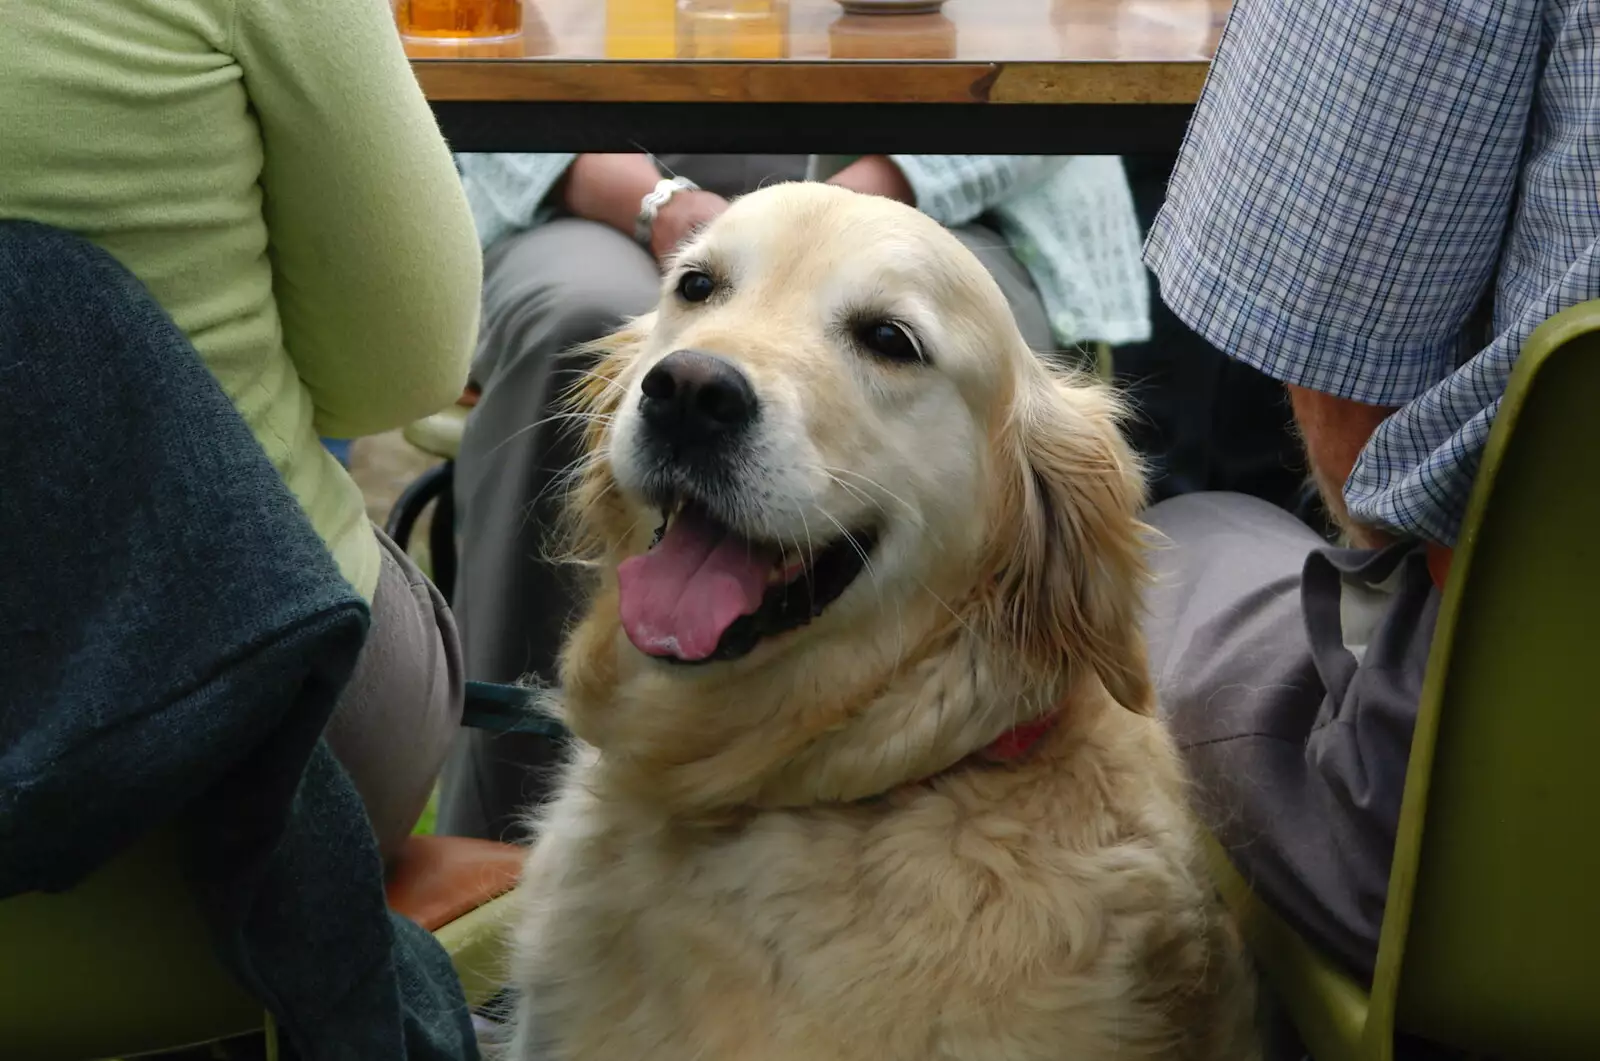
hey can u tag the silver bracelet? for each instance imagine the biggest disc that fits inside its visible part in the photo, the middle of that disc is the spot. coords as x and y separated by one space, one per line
652 203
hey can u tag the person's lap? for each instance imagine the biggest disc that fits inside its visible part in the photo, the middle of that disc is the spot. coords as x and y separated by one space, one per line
401 709
546 291
1289 674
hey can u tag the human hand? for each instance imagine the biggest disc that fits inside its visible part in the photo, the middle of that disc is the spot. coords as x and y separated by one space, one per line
1334 431
684 213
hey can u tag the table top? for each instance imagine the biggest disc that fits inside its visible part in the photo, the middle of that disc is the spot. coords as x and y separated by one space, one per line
811 51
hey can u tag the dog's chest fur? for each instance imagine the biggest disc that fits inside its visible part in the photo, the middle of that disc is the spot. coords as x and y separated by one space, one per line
1049 911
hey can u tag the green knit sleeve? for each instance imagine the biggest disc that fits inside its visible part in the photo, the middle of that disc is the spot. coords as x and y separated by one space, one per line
376 266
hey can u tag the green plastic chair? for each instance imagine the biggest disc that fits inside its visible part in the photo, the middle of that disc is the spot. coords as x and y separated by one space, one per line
1491 934
122 964
438 435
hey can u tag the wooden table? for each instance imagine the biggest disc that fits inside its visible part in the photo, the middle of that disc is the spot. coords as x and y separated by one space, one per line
983 76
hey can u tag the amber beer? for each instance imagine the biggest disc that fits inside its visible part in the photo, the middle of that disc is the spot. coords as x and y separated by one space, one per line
733 29
459 20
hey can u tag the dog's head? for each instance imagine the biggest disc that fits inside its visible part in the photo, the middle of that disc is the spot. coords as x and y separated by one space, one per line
827 476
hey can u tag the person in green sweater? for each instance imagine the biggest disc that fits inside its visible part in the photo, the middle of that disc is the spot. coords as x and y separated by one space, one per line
271 172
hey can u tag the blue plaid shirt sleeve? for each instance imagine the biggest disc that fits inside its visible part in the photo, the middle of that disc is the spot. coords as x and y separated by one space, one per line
1360 182
1338 210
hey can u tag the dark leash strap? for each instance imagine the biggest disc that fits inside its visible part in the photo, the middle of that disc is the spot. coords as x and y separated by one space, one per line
509 709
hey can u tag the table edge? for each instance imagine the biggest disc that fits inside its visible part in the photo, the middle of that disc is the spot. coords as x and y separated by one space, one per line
1085 81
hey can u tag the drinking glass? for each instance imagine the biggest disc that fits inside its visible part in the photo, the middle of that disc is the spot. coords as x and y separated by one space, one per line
463 21
733 29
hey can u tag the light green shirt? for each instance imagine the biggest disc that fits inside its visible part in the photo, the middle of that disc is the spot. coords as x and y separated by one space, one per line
271 172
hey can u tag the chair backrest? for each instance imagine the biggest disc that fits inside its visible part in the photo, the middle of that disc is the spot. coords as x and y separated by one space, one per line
1491 939
122 964
171 664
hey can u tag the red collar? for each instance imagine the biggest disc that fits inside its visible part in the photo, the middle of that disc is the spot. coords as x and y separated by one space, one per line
1018 741
1012 745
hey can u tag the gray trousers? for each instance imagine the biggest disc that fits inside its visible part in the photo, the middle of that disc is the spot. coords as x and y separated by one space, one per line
546 290
401 710
1290 672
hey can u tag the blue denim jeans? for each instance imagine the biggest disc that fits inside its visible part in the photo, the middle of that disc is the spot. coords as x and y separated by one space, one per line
340 448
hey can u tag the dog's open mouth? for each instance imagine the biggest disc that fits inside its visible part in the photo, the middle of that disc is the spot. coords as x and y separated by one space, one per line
704 592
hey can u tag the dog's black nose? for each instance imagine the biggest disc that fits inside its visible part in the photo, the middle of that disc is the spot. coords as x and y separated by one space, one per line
695 397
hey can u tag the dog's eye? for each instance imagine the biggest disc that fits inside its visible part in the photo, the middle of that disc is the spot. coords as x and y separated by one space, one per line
888 340
695 286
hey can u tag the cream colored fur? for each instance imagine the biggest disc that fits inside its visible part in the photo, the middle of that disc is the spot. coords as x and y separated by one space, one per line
754 859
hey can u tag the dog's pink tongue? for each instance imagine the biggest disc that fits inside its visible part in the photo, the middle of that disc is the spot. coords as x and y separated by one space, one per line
679 598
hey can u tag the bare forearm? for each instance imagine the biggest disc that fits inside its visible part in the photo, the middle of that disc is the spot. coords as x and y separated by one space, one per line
1335 430
876 175
608 188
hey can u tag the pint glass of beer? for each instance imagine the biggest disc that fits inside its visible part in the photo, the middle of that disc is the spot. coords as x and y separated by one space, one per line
733 29
465 21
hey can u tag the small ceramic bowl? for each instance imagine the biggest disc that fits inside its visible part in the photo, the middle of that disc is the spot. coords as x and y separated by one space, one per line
891 7
903 36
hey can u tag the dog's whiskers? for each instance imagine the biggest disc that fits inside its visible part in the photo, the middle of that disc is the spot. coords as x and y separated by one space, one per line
871 572
578 468
811 549
866 561
853 491
576 414
567 478
784 549
609 382
832 472
947 607
573 538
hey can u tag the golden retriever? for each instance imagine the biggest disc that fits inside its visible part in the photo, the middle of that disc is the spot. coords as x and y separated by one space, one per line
867 766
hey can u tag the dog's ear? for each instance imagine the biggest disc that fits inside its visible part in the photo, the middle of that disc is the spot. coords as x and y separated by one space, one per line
1070 546
592 399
